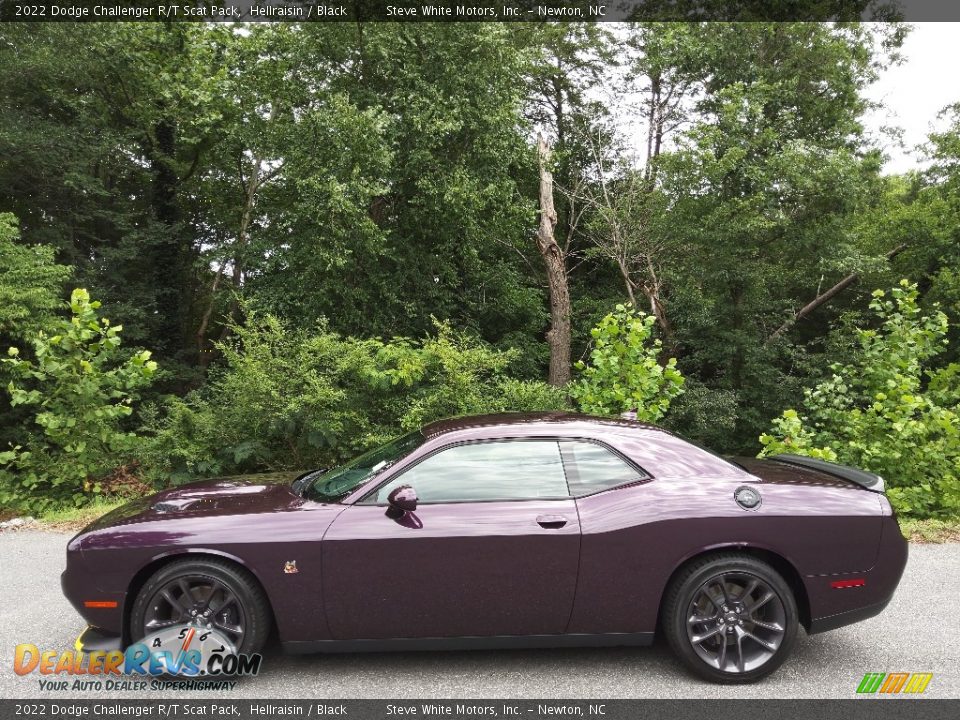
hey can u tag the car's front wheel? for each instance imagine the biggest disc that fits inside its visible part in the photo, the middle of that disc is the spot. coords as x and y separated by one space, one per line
730 618
205 593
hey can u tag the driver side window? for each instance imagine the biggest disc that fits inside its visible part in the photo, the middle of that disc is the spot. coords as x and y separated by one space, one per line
475 472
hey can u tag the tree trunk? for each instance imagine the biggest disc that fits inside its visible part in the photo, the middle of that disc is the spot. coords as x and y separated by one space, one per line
558 337
826 296
652 291
166 257
203 352
250 189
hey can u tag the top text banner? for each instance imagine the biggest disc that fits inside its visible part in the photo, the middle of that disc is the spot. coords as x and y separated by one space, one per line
476 10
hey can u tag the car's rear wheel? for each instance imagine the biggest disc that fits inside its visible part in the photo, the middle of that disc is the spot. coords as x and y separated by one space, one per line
730 618
207 594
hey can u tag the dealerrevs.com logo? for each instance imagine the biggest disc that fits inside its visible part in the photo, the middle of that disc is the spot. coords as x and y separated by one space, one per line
177 656
894 683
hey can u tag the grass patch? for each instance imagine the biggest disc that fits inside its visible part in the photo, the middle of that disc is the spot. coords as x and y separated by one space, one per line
74 518
931 531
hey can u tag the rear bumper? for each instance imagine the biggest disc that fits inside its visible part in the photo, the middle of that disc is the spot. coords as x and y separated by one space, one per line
97 640
833 607
832 622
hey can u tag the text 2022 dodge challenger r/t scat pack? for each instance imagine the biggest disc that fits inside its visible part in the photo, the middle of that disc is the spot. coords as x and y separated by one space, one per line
514 530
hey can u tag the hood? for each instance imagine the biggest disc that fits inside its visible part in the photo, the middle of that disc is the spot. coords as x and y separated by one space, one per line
237 495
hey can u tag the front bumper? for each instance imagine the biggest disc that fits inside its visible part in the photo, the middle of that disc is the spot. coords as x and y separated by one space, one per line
99 608
95 639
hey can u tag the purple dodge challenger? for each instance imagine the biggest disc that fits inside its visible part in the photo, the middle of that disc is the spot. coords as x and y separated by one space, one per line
513 530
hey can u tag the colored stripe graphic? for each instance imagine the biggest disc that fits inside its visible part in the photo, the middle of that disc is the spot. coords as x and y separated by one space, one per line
871 682
918 682
894 682
183 648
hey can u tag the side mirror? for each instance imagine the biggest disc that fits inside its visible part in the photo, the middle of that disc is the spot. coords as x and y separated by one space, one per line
403 498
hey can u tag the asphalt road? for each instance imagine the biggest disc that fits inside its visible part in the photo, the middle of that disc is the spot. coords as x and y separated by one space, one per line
918 632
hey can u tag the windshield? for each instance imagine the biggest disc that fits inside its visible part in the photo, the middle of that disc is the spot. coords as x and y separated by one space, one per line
340 481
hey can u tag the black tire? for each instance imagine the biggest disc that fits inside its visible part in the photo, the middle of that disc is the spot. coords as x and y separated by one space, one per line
714 581
252 603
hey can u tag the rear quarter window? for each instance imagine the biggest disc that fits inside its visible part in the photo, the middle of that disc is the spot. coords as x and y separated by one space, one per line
593 468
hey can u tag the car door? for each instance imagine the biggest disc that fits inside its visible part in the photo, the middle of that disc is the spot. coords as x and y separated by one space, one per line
491 550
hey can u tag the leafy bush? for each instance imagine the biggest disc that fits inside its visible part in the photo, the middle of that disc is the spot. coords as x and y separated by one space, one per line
31 293
285 400
624 373
80 388
888 410
281 399
453 374
31 283
704 414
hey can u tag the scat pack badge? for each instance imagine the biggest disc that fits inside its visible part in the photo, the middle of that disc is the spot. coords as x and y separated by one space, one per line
290 567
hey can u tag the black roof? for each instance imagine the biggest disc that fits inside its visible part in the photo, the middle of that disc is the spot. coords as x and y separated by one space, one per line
527 419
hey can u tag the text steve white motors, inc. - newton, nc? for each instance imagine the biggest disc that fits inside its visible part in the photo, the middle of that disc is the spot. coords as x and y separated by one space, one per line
437 12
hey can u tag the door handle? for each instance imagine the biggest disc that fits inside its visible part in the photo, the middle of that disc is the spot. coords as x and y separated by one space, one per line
551 522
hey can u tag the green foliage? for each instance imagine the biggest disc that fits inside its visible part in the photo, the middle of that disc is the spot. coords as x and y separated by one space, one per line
280 400
287 399
30 283
30 291
80 387
790 434
452 374
889 410
624 372
407 183
762 189
378 178
704 413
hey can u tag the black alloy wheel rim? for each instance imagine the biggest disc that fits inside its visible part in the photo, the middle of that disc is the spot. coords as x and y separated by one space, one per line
198 600
736 622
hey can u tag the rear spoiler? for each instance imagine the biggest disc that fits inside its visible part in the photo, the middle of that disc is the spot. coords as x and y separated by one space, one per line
864 479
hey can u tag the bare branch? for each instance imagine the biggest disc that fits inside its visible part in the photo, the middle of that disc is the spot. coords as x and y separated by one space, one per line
825 297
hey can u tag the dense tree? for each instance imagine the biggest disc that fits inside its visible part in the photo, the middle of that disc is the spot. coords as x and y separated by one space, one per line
30 284
570 71
402 192
620 198
101 155
761 190
363 181
936 211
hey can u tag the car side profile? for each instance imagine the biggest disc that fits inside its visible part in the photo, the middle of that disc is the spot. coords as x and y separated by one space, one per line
511 530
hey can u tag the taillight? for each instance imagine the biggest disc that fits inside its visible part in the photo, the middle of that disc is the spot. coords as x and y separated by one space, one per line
855 582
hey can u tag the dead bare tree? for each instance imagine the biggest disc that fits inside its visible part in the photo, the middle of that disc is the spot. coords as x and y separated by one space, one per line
619 204
555 264
619 229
